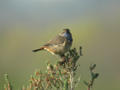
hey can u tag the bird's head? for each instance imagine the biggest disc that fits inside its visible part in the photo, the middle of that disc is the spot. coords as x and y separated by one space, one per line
66 33
66 30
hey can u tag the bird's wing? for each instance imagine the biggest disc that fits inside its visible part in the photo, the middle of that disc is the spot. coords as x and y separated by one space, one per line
56 41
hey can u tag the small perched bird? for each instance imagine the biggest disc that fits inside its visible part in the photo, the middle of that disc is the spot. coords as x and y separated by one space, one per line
58 45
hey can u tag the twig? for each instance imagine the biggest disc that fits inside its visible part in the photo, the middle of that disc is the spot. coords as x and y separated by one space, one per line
93 77
71 80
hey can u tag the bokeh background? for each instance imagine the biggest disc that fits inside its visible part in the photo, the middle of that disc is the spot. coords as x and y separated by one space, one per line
27 24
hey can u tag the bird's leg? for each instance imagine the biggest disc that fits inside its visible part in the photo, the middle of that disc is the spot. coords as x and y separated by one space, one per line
63 60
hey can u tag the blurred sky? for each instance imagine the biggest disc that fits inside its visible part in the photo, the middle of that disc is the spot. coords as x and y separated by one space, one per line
41 13
28 24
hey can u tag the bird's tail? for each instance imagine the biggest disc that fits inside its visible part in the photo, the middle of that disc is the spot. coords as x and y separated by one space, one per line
38 49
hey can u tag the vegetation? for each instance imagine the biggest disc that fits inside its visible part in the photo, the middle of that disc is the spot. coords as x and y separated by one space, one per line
58 77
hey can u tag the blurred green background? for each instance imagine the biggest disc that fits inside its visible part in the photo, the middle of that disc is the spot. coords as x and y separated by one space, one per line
28 24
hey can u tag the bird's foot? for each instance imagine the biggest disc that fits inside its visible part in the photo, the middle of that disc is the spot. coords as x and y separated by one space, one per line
62 61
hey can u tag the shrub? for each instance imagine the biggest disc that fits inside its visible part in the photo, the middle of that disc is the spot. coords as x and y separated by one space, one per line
58 77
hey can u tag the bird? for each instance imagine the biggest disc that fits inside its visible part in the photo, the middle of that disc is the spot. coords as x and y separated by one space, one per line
59 45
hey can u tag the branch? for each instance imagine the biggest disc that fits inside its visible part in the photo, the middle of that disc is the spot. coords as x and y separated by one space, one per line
93 77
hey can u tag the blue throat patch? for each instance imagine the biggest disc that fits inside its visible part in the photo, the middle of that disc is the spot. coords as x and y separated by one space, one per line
68 36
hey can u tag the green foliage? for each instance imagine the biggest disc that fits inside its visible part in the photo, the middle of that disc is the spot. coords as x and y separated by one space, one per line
57 77
7 86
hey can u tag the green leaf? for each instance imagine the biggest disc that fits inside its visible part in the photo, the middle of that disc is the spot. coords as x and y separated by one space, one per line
65 85
86 83
92 67
96 75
